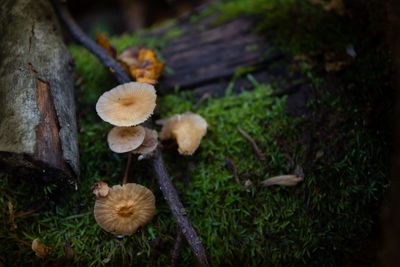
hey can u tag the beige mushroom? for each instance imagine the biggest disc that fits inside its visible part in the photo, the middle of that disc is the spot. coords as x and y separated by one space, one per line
125 209
41 250
128 104
100 189
149 143
125 139
188 129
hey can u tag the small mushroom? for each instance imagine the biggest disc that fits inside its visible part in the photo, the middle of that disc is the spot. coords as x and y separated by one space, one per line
188 129
125 139
128 104
125 209
41 250
100 189
149 143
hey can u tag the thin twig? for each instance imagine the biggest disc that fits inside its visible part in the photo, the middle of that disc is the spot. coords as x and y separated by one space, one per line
177 209
127 168
177 248
22 241
231 165
256 149
115 68
170 194
201 100
26 213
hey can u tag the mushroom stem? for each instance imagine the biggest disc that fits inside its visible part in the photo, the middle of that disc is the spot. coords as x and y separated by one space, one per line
164 180
127 168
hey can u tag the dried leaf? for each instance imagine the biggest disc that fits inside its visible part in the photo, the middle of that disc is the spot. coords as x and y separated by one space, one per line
40 249
149 68
287 180
11 211
103 42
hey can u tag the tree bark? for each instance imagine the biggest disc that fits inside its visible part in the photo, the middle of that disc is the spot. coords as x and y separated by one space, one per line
38 133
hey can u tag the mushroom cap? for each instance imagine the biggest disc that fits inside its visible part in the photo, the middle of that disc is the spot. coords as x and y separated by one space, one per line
41 250
188 129
100 189
149 143
125 209
125 139
128 104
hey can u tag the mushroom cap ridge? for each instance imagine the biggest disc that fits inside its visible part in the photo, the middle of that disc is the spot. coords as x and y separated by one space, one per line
125 209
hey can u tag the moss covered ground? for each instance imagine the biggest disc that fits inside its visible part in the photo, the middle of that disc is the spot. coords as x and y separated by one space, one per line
341 144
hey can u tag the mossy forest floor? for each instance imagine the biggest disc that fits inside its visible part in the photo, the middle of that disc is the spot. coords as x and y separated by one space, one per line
341 142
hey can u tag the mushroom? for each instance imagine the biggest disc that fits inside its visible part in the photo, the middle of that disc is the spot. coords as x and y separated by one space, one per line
125 209
149 143
41 250
188 129
100 189
125 139
128 104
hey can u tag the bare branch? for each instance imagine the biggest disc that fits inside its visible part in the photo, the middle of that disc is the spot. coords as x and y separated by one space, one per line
256 149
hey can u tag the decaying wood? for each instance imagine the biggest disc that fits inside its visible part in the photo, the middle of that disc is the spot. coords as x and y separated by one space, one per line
38 135
202 57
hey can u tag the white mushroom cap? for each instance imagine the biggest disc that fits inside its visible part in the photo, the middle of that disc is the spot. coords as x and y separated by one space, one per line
127 104
125 209
150 142
188 129
125 139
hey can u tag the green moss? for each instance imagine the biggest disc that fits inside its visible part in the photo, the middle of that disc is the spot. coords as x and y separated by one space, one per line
313 223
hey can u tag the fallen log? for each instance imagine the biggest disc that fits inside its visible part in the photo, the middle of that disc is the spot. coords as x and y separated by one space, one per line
38 133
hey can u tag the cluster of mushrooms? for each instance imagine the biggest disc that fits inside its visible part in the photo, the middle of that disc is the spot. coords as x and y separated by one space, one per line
122 209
